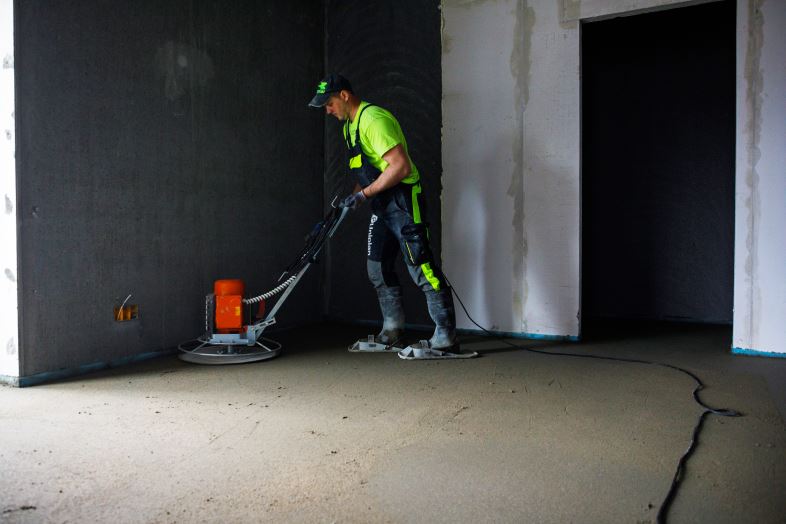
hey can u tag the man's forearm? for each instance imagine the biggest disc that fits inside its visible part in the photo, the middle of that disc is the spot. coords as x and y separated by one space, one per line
398 169
387 179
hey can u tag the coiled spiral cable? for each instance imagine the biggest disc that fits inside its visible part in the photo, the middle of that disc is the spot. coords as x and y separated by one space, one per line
273 292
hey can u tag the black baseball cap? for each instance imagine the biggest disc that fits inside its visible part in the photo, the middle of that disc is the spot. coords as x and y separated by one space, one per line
333 83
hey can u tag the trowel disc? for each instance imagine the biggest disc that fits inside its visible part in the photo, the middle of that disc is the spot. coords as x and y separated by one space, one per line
199 351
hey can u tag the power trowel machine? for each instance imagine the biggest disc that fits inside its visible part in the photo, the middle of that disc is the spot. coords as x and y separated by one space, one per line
228 339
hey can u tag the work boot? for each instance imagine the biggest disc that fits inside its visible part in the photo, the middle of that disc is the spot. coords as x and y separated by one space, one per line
392 315
442 312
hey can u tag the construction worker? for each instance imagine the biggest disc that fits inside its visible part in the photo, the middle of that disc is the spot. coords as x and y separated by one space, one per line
387 178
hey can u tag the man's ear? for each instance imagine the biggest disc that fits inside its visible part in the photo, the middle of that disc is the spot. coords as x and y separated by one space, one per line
344 95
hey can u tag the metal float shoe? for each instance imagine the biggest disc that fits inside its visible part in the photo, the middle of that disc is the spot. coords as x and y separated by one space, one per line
423 351
373 345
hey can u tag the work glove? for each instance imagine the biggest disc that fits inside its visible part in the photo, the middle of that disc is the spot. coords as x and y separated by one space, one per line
352 201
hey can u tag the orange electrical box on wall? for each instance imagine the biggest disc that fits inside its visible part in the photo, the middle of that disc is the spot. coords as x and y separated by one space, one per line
229 305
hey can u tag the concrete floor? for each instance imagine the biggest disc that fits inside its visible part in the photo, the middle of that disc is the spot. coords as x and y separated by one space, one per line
323 435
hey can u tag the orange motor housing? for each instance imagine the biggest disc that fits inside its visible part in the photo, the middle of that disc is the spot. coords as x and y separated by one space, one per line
229 305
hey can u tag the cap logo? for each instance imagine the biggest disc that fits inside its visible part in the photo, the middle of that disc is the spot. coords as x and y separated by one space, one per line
321 88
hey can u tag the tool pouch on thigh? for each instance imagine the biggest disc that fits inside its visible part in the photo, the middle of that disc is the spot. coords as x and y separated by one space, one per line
414 242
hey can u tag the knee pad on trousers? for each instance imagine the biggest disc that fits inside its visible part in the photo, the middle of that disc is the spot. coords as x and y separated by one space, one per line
414 240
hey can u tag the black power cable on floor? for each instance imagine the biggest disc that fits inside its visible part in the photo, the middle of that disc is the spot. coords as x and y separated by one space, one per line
707 410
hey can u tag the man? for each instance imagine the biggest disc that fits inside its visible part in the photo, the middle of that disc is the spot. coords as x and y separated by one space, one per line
387 178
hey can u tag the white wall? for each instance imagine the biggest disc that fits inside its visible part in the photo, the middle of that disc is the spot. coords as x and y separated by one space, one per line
760 229
510 205
511 159
481 137
9 327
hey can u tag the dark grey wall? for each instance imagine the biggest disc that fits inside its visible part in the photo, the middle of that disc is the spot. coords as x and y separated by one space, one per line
391 52
658 165
160 145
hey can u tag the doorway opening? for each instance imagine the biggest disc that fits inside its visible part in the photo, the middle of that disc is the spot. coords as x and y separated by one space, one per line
658 139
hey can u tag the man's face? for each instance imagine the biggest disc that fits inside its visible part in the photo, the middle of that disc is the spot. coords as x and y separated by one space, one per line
338 106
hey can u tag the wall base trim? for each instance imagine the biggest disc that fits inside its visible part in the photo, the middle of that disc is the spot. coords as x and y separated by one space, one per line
522 335
757 353
9 380
51 376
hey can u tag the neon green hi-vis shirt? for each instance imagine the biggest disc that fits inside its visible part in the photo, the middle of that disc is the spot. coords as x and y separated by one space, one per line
379 133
